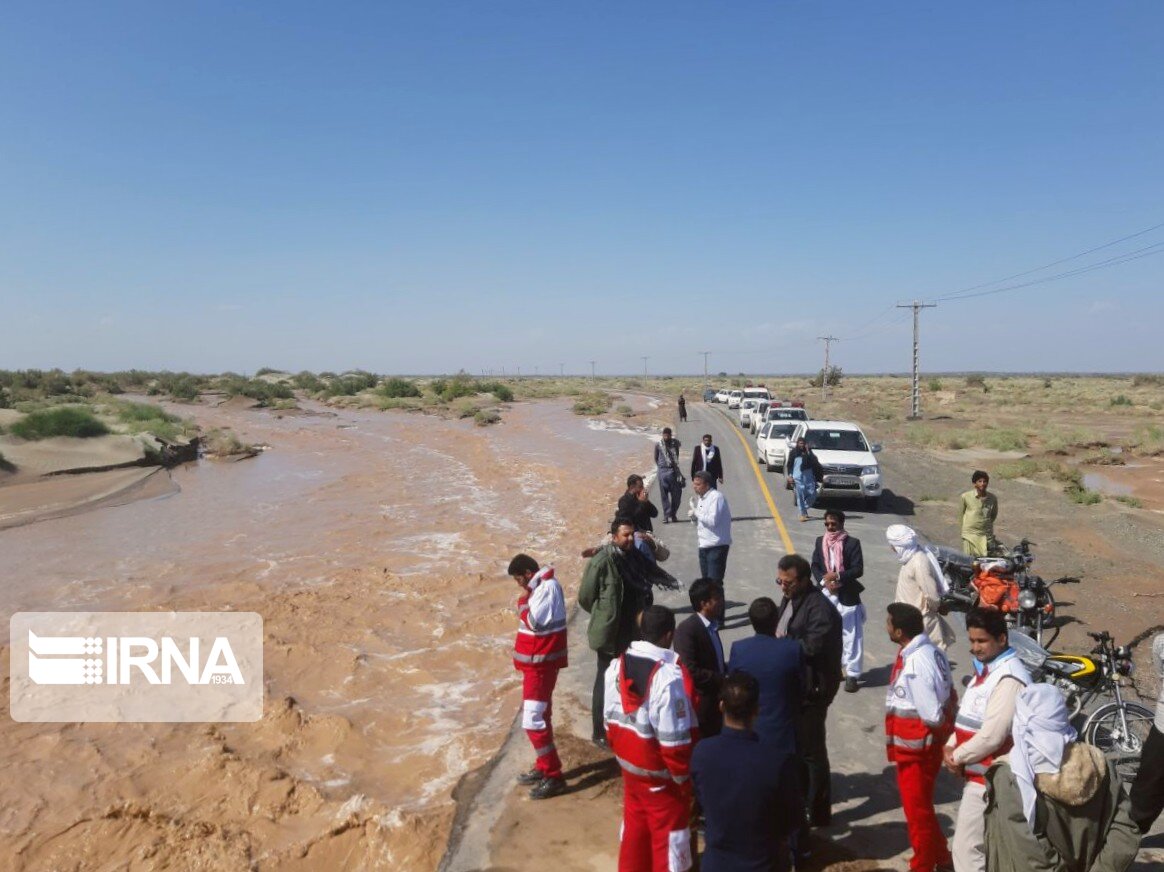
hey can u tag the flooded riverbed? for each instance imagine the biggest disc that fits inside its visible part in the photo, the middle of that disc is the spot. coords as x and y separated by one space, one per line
374 546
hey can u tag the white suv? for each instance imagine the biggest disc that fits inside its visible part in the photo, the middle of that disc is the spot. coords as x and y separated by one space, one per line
747 409
772 443
850 469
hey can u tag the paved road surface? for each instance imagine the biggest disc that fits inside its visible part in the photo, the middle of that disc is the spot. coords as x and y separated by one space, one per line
867 816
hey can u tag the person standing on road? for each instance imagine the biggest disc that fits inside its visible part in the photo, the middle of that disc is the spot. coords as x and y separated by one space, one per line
837 564
778 665
713 526
670 478
682 409
1053 802
615 588
982 728
977 511
1148 788
806 616
804 475
636 504
698 645
648 723
920 582
919 718
747 789
706 457
539 652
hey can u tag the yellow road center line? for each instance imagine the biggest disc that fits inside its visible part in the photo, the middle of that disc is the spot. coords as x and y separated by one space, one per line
750 453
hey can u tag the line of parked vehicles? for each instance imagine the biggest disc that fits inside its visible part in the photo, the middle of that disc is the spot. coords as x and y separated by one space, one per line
846 456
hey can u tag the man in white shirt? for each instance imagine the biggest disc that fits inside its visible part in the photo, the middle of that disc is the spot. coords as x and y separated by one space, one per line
713 525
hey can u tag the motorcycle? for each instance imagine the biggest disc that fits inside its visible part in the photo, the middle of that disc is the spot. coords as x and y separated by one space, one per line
1004 582
1118 728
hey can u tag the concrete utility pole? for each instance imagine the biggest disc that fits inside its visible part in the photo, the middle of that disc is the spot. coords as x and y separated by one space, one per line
646 357
592 369
705 385
561 369
917 307
824 379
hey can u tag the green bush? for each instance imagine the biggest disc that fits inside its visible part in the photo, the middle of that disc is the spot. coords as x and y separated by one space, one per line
833 377
935 384
1132 502
500 391
256 389
308 381
592 403
976 381
1083 496
351 383
485 417
1120 400
398 387
460 385
63 421
1147 380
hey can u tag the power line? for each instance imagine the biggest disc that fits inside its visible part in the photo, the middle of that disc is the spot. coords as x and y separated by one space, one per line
966 291
1117 260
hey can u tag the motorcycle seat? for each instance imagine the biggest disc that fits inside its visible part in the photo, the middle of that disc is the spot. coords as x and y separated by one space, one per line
954 558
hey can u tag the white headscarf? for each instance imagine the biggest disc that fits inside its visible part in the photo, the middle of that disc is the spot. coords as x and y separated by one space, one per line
906 543
1042 731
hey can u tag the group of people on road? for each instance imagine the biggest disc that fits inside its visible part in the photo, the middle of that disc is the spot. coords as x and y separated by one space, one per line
737 740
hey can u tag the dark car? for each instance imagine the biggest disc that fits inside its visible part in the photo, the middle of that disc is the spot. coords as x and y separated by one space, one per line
709 396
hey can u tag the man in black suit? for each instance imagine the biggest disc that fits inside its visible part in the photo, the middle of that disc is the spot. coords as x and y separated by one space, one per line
698 645
747 789
706 456
807 616
837 563
778 666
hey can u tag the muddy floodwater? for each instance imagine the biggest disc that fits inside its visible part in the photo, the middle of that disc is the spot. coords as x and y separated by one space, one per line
374 546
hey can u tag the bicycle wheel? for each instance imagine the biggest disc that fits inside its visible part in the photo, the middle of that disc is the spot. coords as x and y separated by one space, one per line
1105 731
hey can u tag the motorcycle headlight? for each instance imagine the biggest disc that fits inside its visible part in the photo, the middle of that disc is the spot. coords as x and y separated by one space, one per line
1125 667
870 470
1027 599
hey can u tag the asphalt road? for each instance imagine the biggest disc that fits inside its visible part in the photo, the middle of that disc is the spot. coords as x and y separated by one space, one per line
866 805
867 817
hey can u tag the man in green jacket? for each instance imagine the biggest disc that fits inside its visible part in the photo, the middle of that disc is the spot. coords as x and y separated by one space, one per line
1054 804
616 587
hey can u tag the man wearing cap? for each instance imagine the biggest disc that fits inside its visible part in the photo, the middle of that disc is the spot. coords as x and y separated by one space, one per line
670 477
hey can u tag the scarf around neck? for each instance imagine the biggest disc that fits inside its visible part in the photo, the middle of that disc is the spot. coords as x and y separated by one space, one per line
833 547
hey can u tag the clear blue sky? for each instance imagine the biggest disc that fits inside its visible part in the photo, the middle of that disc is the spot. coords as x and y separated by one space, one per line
421 187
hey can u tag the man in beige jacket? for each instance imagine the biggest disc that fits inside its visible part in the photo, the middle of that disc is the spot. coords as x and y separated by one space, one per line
920 583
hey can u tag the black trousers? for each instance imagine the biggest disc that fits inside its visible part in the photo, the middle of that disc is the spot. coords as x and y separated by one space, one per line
814 755
1147 793
598 697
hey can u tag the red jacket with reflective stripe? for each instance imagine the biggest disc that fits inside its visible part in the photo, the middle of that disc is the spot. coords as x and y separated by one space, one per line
650 720
541 634
907 736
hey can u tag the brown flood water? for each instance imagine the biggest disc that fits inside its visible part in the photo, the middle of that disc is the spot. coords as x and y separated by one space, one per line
374 545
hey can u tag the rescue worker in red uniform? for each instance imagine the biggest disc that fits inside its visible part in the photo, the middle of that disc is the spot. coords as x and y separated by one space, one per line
919 718
982 728
649 716
539 652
